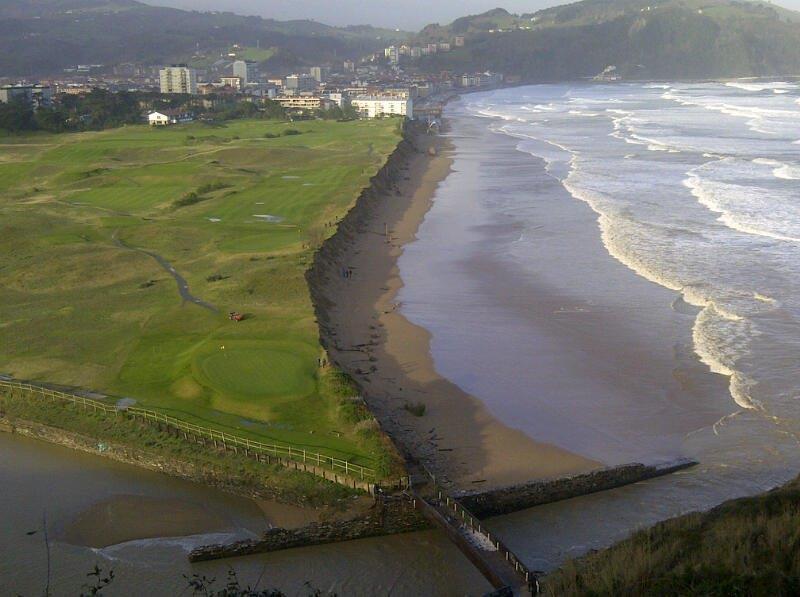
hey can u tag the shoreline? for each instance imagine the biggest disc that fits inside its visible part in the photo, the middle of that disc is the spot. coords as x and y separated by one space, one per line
456 438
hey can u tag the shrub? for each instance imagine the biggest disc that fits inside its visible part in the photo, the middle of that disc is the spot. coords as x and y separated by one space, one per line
415 408
188 199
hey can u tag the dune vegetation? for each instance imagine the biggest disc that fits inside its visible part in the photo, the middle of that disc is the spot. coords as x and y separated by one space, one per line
747 546
100 229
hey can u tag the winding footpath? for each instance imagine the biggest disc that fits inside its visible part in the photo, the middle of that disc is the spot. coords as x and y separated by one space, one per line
183 285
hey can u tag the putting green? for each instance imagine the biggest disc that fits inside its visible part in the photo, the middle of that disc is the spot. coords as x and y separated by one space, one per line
257 372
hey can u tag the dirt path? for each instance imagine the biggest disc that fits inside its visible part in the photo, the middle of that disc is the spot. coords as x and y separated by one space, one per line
183 285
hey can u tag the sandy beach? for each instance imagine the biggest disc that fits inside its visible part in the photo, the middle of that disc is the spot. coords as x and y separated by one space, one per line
457 438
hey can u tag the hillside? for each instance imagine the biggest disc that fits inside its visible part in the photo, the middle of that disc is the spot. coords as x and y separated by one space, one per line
643 38
748 546
39 37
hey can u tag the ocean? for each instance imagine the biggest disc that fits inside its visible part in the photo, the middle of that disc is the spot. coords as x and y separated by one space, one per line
614 269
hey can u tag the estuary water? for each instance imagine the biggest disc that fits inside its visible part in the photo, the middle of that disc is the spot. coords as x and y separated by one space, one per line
142 524
615 269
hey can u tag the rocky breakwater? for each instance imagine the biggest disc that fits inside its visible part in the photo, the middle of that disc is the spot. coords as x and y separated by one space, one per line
387 516
519 497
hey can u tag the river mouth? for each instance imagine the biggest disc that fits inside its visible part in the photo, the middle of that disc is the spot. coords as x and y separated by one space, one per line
123 518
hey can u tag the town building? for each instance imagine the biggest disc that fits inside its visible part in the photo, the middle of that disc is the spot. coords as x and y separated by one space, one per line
303 102
235 82
36 96
320 73
349 66
392 53
458 41
178 78
340 99
246 70
300 82
378 106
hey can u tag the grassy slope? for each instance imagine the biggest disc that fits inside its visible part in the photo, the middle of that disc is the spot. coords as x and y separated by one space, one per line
748 546
77 309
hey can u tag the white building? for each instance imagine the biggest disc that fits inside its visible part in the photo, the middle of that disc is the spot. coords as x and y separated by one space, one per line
167 117
393 54
178 78
304 102
158 119
376 106
235 82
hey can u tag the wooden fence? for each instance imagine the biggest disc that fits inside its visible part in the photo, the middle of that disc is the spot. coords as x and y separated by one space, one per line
227 441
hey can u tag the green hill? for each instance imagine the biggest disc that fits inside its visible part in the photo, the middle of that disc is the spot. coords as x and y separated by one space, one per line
40 37
642 38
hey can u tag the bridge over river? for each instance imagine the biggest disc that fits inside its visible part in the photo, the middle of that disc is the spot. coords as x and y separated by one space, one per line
498 564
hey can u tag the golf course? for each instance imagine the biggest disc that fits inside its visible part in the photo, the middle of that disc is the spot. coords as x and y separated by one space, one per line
125 251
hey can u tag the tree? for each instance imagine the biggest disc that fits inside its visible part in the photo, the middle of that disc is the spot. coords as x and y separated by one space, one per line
17 116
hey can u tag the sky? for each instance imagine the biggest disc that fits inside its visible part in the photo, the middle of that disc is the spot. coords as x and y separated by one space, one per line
411 15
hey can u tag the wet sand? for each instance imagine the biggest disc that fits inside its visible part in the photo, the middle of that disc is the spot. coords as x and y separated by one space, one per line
457 438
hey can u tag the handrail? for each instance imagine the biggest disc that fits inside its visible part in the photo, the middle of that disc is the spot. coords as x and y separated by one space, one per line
150 416
475 525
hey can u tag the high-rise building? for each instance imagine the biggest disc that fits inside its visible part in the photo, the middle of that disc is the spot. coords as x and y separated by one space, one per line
393 54
247 71
320 73
300 82
36 96
178 78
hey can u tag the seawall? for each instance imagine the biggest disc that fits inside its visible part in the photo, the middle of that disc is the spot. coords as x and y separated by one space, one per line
328 258
331 255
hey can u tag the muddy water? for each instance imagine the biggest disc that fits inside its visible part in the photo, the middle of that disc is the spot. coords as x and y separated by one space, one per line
141 524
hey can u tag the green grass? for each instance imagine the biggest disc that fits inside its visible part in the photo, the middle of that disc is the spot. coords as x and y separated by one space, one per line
255 54
78 309
748 546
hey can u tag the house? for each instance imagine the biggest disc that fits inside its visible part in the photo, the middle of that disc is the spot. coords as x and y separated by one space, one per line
158 119
167 117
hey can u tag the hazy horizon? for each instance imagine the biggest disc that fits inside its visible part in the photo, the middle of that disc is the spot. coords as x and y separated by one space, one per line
410 15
